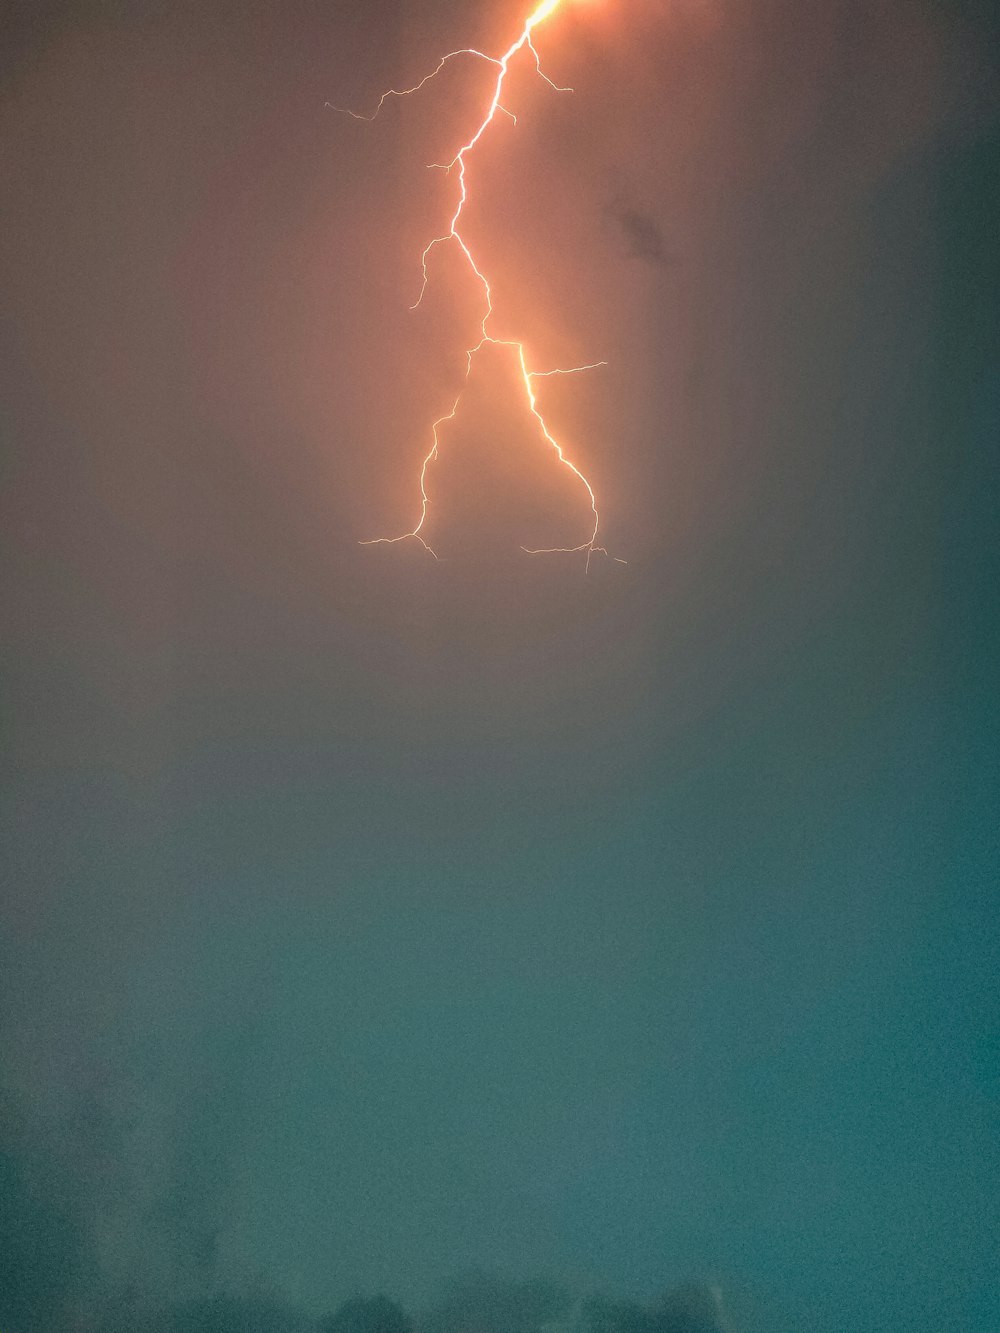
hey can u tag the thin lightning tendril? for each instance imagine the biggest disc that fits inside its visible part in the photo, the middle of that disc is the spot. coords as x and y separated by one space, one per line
458 163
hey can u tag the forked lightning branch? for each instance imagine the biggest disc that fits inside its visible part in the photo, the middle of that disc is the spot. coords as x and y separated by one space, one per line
454 237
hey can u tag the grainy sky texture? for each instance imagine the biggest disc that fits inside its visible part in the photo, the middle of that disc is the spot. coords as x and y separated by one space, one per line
367 920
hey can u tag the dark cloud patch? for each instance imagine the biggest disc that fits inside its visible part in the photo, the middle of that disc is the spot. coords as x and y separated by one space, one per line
46 1259
692 1307
642 234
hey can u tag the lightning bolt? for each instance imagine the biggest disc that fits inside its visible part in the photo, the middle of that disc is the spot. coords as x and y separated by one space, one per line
453 236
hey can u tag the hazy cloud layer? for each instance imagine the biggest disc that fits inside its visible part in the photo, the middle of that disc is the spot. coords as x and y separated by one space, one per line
366 919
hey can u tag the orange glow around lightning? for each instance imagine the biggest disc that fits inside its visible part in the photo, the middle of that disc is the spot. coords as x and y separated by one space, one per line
453 235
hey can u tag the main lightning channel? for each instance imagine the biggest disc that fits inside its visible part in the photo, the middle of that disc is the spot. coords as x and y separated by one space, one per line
453 235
